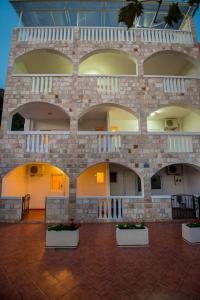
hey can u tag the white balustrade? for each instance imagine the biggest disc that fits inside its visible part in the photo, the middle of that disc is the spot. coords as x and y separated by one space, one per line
179 144
107 143
166 36
110 208
115 34
37 143
42 84
174 85
45 34
108 84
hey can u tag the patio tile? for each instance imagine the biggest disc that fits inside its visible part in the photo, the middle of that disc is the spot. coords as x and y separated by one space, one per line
169 269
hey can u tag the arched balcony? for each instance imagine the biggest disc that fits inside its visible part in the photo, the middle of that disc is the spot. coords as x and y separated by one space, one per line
108 62
108 123
42 67
43 61
108 70
105 190
177 184
34 191
179 126
176 69
40 123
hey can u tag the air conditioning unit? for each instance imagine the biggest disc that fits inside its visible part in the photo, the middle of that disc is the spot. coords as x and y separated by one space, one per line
171 124
35 170
174 170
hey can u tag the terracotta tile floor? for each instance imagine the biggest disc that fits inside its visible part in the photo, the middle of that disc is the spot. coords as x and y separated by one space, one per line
166 270
34 215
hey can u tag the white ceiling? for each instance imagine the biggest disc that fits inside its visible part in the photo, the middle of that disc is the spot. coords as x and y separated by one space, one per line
42 111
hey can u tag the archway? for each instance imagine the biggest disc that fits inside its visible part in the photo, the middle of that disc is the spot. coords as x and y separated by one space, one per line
180 183
108 62
108 117
174 118
43 61
105 189
171 63
39 116
34 182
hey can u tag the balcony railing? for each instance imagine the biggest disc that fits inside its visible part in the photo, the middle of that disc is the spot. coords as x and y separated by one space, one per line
38 141
174 84
105 141
45 34
103 34
166 36
103 208
177 142
43 83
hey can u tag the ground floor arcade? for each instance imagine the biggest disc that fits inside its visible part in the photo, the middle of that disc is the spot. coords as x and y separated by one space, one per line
104 192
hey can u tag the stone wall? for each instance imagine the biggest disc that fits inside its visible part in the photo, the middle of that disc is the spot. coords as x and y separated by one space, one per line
143 153
56 210
10 209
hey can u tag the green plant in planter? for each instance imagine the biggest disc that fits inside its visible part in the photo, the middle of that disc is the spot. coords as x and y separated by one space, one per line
194 224
131 226
61 227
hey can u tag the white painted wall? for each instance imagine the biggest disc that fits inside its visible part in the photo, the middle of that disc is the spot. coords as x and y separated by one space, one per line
125 122
190 182
14 183
92 124
19 182
51 125
191 122
87 182
126 184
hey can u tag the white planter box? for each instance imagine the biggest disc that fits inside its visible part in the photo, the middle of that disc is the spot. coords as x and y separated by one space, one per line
62 239
191 235
132 237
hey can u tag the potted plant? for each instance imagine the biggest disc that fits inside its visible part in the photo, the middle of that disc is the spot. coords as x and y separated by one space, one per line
63 235
191 232
132 234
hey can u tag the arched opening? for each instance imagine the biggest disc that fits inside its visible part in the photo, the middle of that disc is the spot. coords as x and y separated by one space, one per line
108 62
35 182
174 118
171 63
39 116
43 61
105 189
179 182
108 117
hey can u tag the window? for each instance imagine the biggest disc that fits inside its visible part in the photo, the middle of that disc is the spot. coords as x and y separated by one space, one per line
113 177
156 182
139 185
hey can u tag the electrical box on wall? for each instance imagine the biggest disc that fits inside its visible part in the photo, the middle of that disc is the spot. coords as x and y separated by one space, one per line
35 170
177 180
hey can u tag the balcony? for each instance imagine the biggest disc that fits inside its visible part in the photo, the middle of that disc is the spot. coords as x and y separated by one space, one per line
103 34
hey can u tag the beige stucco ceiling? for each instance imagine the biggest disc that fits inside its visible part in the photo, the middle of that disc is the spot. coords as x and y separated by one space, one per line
42 111
43 61
170 63
108 62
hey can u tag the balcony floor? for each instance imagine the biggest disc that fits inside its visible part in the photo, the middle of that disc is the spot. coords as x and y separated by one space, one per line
167 269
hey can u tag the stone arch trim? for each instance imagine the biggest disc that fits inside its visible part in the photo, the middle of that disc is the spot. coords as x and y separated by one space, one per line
9 169
191 162
126 165
104 50
61 107
175 51
26 51
90 108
